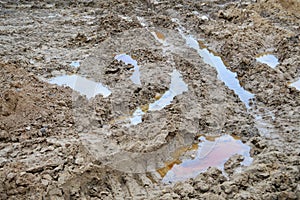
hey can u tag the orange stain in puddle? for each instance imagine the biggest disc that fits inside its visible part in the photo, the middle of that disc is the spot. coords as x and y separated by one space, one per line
211 152
160 35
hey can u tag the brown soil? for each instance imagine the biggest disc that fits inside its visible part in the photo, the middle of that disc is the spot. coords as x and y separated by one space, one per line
56 144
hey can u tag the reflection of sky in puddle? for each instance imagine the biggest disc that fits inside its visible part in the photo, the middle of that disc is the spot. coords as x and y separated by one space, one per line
136 117
210 152
75 64
135 77
228 77
81 85
177 87
268 59
296 84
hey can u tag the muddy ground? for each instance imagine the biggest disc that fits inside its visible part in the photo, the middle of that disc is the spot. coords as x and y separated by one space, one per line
56 144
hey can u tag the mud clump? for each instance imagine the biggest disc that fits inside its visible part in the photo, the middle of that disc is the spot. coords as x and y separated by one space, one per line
60 143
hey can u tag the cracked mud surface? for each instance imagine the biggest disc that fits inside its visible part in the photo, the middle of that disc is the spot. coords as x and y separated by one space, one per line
56 144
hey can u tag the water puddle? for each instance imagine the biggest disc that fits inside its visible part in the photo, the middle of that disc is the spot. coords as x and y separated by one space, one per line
296 84
210 152
82 85
135 77
268 59
75 64
177 87
264 119
137 116
225 75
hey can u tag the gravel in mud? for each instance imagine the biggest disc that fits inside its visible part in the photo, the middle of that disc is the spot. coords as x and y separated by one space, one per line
57 144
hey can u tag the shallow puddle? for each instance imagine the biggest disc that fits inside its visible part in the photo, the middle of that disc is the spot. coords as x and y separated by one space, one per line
135 77
82 85
296 84
177 87
210 152
225 75
268 59
75 64
137 117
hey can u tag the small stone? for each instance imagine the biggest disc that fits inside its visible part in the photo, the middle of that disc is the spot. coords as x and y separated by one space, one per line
42 132
157 96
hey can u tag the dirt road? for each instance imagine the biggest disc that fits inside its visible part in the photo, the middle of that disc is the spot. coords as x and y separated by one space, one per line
162 99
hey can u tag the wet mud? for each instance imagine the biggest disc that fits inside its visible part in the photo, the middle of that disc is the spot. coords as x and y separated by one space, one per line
141 99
